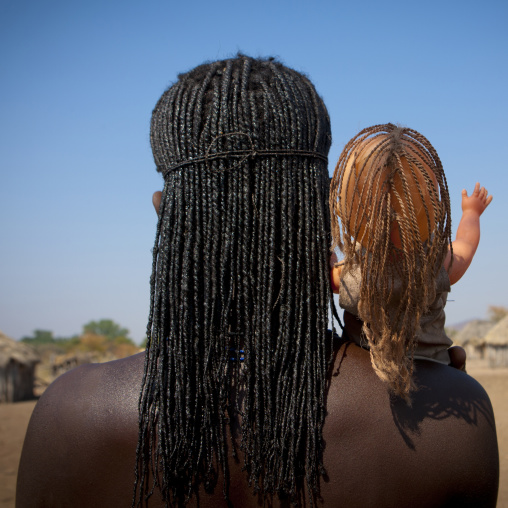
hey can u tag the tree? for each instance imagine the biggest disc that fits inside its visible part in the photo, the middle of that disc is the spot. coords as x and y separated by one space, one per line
93 342
107 328
124 349
496 313
40 337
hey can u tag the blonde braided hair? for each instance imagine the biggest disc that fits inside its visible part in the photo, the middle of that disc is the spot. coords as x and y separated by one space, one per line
389 198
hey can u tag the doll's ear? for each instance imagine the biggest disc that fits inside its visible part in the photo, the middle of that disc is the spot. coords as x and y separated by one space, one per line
156 200
335 271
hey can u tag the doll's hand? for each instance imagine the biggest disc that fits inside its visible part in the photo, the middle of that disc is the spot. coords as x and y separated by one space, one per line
457 357
478 201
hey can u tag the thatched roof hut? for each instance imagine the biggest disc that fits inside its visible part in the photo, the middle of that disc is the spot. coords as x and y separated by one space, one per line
473 333
17 370
496 344
472 338
498 334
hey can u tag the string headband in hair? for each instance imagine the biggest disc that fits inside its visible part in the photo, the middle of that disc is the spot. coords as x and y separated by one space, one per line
224 114
242 154
249 113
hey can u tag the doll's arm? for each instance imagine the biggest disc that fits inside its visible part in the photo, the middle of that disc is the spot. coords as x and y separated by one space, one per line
468 232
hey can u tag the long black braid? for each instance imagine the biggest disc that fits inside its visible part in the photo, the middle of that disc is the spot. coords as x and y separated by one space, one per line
240 263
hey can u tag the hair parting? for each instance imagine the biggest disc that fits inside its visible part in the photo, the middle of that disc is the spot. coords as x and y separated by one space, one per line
390 210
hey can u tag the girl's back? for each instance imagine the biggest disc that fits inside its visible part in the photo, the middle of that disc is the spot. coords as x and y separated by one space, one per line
442 451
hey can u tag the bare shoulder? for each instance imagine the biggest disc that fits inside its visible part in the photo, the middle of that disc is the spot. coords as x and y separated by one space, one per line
92 395
441 450
84 426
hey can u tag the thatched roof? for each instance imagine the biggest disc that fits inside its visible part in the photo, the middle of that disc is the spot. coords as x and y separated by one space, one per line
17 351
473 332
498 334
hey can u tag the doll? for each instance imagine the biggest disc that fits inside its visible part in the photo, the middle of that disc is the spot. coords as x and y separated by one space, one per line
390 211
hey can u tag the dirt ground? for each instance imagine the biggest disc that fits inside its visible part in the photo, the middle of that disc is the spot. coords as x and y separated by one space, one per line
495 382
14 421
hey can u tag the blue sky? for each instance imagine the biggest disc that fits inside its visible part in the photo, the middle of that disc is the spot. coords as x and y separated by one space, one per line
78 83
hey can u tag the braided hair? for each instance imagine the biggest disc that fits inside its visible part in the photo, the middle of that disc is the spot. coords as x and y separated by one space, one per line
389 198
240 289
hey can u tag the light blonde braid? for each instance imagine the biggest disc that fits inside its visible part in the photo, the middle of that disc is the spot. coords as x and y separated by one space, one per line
389 198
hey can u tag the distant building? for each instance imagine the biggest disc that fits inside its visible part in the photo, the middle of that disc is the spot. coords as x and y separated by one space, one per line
472 338
63 363
496 344
17 370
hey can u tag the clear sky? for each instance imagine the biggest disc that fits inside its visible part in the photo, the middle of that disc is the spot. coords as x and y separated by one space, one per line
78 81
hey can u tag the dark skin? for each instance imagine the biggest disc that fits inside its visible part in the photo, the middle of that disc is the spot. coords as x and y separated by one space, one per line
80 446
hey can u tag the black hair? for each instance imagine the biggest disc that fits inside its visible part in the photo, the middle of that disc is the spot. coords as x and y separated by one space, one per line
240 287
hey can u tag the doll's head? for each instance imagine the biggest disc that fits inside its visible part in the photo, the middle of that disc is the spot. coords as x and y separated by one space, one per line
387 181
389 195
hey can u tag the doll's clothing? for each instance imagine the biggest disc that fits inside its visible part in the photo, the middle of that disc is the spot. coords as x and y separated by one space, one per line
432 341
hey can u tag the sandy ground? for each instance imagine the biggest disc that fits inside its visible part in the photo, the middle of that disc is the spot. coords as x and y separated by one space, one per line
14 420
495 381
13 423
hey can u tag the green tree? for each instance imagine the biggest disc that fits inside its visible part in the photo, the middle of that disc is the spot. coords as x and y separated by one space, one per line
107 328
40 337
